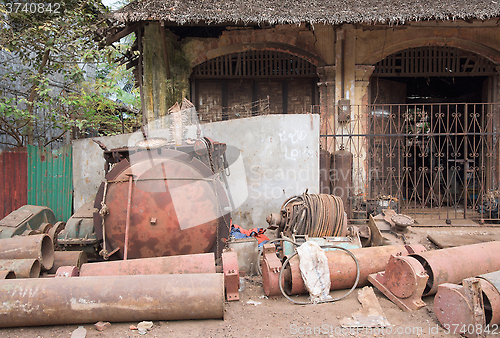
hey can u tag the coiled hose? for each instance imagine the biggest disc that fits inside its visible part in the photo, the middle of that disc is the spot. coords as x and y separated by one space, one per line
316 215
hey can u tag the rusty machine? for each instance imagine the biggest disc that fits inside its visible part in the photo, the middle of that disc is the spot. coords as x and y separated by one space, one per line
160 197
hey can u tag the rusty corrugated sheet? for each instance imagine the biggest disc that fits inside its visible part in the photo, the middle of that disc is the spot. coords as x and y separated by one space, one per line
50 180
13 180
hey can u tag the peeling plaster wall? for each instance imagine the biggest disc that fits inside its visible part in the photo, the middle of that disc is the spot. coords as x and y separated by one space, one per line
272 158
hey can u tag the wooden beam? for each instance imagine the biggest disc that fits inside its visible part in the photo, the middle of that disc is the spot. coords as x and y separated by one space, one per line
123 33
165 48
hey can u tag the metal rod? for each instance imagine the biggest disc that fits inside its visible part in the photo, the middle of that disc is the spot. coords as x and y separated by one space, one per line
127 222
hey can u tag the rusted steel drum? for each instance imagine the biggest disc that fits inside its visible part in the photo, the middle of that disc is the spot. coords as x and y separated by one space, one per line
451 265
341 176
80 300
36 246
490 284
68 258
23 268
343 268
199 263
177 206
7 274
324 171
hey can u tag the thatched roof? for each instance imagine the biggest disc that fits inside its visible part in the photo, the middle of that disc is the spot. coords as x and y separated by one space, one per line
310 11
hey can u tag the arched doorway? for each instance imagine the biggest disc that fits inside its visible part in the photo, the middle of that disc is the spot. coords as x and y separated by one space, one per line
253 83
433 143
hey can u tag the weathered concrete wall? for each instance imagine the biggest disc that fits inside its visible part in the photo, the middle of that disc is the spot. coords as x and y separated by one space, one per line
272 158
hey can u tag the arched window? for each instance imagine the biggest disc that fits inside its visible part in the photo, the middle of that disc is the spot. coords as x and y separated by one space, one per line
253 83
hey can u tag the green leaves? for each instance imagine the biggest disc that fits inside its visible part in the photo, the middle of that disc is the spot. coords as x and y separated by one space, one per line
54 76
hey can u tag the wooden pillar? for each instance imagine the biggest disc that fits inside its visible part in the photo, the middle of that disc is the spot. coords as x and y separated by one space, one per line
154 75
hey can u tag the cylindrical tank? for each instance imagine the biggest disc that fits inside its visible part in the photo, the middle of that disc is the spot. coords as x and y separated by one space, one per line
341 176
178 206
324 171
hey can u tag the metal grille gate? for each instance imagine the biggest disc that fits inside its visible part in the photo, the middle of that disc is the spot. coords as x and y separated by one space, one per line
434 160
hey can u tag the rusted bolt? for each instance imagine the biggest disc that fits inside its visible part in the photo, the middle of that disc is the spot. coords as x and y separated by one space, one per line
153 221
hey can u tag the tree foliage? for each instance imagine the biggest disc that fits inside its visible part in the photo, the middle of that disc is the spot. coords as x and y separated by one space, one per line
55 78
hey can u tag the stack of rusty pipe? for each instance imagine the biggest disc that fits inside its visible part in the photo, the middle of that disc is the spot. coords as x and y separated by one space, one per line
406 279
162 288
342 268
26 255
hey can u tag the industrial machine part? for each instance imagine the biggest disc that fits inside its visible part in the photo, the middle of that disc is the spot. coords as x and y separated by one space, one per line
170 196
79 234
310 214
341 176
68 258
230 269
79 300
410 278
271 267
36 246
343 268
184 264
26 219
7 274
350 242
23 268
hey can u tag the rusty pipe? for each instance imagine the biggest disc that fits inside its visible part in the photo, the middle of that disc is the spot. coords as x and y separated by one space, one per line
406 279
79 300
127 221
199 263
23 268
454 304
68 258
451 265
343 268
36 246
7 274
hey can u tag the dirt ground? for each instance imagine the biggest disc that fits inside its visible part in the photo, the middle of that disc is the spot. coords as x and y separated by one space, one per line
270 318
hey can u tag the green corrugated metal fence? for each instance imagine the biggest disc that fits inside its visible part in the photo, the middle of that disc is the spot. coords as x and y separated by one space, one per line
50 180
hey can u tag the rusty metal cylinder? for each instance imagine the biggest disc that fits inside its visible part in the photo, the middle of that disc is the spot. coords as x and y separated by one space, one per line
341 175
324 172
343 268
80 300
451 265
36 246
7 274
199 263
490 285
68 258
23 268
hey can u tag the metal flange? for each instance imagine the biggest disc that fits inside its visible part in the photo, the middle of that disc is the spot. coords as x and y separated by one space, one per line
271 267
231 274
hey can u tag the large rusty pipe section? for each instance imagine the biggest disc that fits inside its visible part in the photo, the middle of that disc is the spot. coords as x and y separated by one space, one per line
23 268
343 268
406 279
36 246
454 264
185 264
454 304
68 258
80 300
